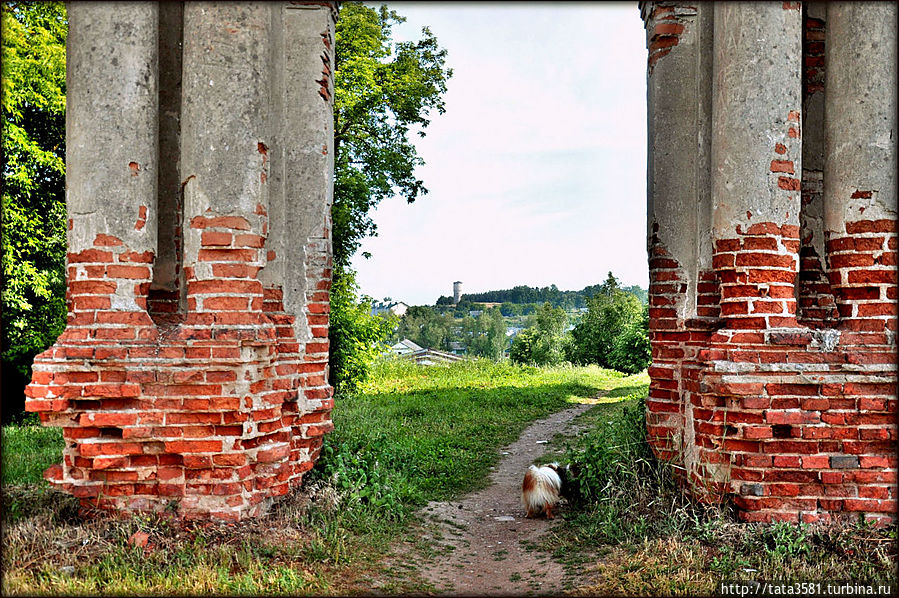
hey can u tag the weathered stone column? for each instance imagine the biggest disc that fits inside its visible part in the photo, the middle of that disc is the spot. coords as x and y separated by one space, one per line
756 161
219 401
860 167
682 288
225 139
111 163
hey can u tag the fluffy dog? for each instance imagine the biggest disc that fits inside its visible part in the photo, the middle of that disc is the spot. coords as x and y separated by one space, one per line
541 489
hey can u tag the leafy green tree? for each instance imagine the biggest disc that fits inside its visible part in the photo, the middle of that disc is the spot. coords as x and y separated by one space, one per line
383 92
486 335
522 349
356 336
425 326
543 343
631 351
608 315
34 213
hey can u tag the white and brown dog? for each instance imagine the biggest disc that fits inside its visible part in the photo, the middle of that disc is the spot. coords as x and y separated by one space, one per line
541 489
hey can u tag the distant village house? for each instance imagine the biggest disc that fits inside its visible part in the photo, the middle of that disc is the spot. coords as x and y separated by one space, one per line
397 308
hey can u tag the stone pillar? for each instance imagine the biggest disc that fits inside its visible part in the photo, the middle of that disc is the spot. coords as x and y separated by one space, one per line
682 287
756 161
860 167
111 164
795 423
220 400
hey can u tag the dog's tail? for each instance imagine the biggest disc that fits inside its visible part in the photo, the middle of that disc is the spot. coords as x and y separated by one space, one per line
540 487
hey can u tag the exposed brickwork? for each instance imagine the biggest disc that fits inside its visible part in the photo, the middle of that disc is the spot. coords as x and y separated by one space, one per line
669 20
221 412
778 391
195 380
796 423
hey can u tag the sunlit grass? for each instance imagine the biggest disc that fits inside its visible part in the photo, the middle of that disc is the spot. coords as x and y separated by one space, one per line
414 434
27 451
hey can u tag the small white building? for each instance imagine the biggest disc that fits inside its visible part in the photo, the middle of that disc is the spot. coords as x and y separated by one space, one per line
406 347
397 308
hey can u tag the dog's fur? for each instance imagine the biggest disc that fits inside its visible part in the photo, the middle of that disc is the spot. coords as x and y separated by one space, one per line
541 489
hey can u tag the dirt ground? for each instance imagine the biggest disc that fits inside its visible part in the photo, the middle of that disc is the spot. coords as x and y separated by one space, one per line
479 543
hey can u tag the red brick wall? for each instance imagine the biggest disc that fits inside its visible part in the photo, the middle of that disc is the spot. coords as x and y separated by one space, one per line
778 392
221 411
795 423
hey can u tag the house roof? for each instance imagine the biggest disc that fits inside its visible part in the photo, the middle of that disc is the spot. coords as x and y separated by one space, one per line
407 344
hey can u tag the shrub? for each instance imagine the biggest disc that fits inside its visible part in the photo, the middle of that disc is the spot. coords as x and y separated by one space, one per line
356 336
607 317
614 454
631 351
542 344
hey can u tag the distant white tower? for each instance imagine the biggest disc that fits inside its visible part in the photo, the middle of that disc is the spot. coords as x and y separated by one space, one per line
457 291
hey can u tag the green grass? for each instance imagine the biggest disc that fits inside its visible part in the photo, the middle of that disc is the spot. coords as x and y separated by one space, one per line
27 451
432 433
412 435
637 532
416 434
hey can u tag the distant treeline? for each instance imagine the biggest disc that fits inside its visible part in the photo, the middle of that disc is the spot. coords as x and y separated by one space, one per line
525 294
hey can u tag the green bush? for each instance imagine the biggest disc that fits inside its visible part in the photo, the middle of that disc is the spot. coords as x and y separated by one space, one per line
614 454
543 343
631 351
356 336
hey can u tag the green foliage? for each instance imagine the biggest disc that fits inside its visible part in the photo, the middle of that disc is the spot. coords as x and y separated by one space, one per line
486 335
356 336
783 539
360 480
524 295
613 451
544 343
28 451
631 351
610 313
34 215
426 327
383 91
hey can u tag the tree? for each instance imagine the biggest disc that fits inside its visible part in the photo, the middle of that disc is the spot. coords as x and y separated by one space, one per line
356 336
608 315
34 213
383 92
631 351
543 343
425 327
486 335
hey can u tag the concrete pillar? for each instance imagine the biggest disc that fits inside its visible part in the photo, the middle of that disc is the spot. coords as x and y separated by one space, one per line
301 193
860 167
679 43
220 400
679 86
111 162
226 135
756 161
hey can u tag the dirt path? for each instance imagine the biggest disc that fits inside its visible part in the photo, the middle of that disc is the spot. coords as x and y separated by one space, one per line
480 542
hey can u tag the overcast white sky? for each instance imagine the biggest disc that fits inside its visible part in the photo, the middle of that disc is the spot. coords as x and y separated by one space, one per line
537 170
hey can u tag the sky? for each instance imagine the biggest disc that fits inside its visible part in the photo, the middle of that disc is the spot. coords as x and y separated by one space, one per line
537 171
